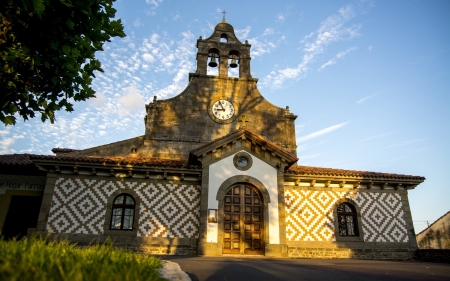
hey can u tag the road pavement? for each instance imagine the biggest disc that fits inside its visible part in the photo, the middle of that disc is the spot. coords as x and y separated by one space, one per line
261 269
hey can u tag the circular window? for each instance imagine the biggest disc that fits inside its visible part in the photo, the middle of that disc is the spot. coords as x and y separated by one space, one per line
242 161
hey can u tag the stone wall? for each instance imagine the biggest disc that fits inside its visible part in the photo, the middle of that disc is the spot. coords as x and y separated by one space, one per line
365 254
437 235
177 125
433 255
145 245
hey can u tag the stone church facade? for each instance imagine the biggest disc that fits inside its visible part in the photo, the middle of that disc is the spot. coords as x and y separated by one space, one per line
215 174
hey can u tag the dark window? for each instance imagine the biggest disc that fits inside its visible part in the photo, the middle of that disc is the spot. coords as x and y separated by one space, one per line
347 220
123 212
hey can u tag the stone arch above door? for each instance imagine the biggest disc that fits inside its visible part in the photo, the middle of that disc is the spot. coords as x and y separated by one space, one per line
243 179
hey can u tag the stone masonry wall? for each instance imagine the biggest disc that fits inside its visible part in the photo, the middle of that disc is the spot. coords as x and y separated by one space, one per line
177 125
364 254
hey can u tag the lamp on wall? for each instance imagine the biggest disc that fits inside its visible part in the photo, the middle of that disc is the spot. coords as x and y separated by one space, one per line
212 215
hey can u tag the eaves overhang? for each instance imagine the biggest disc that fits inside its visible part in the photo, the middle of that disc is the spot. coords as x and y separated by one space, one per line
328 176
244 134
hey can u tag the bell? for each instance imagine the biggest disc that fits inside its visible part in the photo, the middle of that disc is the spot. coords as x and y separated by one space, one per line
233 63
212 62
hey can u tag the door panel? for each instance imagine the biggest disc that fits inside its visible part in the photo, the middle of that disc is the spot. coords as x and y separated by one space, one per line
243 221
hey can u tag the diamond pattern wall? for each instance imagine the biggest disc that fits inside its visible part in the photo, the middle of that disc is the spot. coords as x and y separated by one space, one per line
309 215
167 210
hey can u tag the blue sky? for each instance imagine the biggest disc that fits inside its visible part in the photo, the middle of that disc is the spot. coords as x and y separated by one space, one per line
369 81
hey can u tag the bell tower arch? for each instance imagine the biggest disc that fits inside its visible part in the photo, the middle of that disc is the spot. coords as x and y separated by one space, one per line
223 50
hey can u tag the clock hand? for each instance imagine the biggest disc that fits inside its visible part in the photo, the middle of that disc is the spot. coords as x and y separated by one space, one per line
221 106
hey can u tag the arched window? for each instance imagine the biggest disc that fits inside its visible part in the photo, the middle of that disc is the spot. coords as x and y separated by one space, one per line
123 212
347 220
223 38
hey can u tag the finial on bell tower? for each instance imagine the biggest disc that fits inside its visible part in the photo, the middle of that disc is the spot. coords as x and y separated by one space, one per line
223 18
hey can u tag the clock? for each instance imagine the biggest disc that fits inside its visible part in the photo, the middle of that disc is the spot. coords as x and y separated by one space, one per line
222 109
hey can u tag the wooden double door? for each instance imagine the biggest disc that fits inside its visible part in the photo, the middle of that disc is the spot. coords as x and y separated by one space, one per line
243 221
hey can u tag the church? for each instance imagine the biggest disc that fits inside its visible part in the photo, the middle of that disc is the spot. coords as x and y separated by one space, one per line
215 174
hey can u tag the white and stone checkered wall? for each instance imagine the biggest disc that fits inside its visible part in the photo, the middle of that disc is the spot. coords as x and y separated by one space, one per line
309 215
167 210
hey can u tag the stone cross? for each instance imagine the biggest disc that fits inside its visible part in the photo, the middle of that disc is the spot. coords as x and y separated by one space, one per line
244 121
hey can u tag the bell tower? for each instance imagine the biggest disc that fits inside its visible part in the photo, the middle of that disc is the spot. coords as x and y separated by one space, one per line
223 50
213 106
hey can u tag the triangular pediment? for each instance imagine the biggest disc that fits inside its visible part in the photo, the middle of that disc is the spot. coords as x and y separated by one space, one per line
242 139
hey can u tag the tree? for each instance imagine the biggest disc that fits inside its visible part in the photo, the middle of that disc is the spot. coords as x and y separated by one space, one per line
47 54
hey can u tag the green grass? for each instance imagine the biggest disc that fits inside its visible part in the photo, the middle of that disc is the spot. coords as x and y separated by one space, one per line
40 259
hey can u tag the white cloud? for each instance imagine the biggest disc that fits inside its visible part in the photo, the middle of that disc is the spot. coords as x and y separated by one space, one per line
280 17
242 34
338 56
154 3
321 132
405 142
138 22
330 30
376 137
148 57
305 157
365 99
132 101
268 31
99 101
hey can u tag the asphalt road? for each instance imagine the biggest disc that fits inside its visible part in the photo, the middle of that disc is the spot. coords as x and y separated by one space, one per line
261 269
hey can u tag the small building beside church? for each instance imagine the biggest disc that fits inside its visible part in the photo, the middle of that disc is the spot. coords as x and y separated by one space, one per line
216 173
436 235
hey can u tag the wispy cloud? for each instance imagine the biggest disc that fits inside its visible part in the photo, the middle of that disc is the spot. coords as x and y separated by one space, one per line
138 22
280 17
405 143
321 132
262 44
337 57
306 157
331 30
376 137
154 3
366 98
242 34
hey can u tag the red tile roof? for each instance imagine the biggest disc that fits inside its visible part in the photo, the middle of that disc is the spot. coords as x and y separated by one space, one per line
15 159
269 144
27 160
135 161
63 150
317 171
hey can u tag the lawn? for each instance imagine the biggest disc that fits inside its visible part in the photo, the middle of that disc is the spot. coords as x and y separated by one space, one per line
41 259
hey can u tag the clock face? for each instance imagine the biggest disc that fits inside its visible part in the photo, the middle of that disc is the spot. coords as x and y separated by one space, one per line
223 109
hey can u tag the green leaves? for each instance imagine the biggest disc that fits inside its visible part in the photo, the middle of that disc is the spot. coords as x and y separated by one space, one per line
47 57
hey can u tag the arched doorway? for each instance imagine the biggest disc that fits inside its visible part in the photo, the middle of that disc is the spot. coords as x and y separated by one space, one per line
243 220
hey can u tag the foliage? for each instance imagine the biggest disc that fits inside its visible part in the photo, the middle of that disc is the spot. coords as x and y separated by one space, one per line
47 54
39 259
